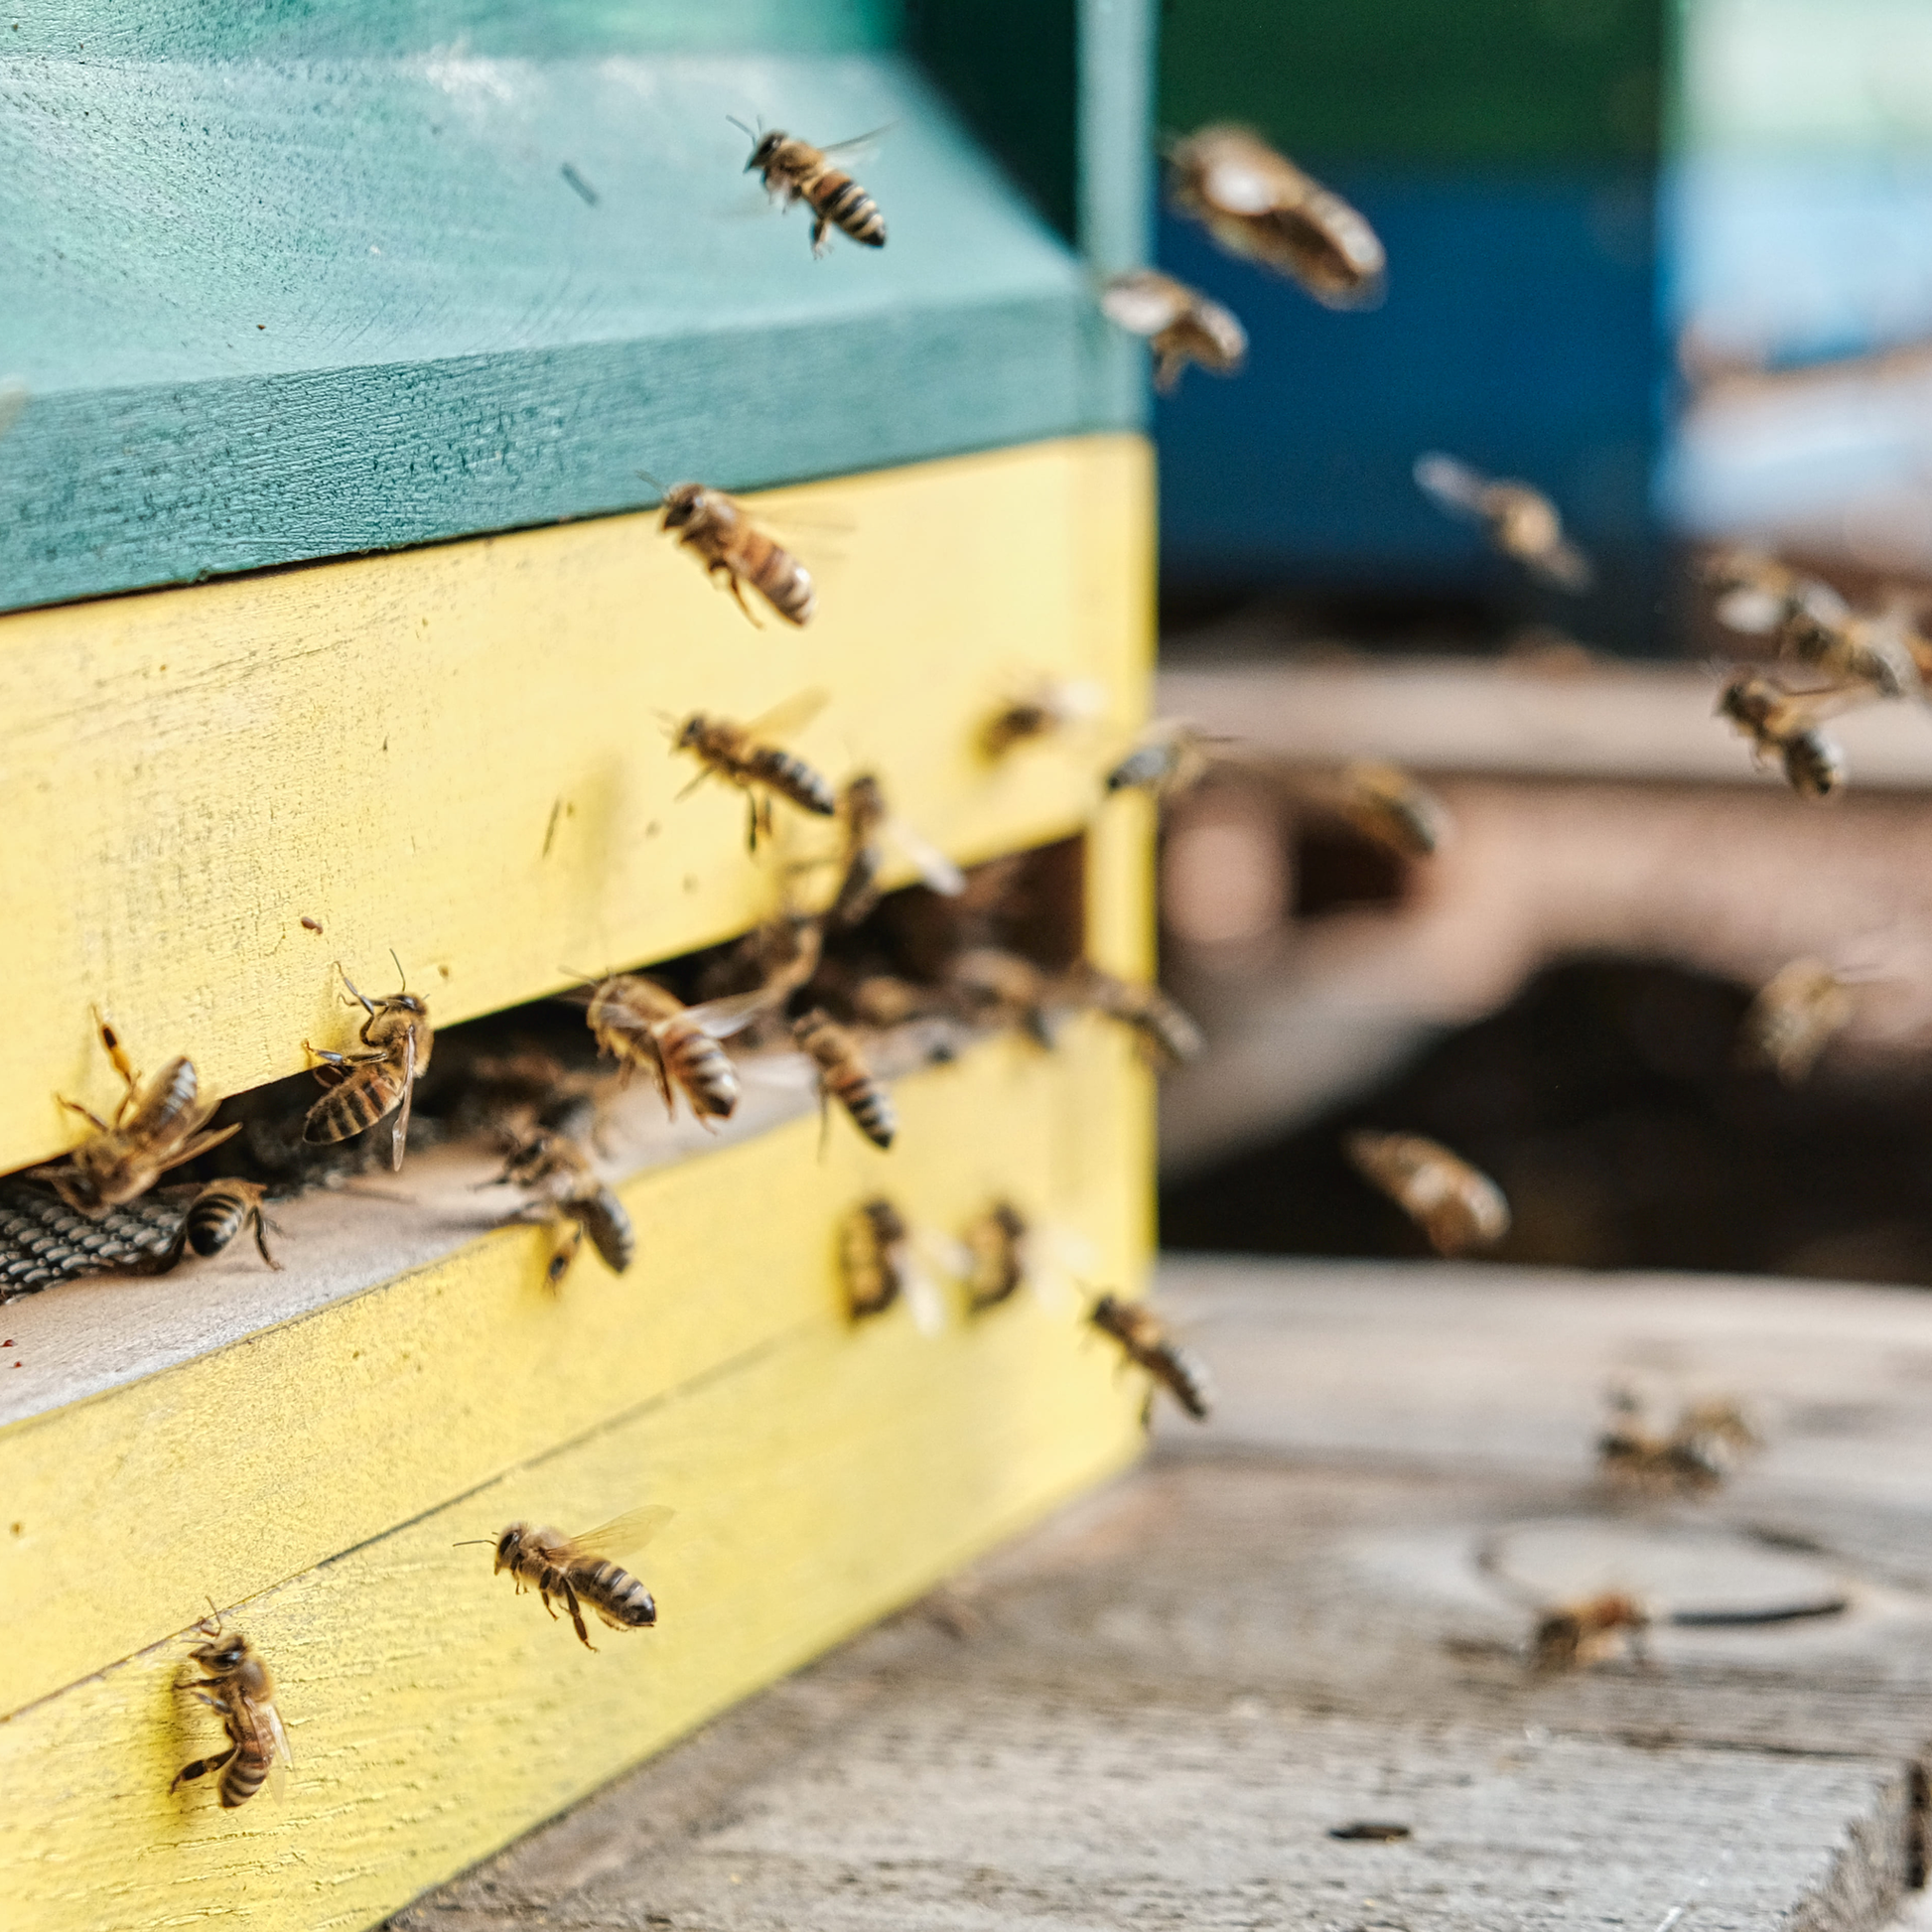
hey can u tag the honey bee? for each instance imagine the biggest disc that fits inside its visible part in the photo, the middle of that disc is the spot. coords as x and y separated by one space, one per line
368 1085
1697 1457
1384 804
577 1569
559 1172
735 551
152 1130
844 1075
867 826
642 1024
1760 597
239 1688
1792 1019
1455 1204
873 1248
1521 523
1785 724
216 1215
796 170
995 1263
1053 705
1568 1636
1166 1034
995 988
1144 1337
1181 324
740 755
1258 205
1169 759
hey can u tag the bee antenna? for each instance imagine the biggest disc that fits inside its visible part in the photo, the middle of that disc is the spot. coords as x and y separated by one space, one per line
656 483
737 123
400 974
467 1541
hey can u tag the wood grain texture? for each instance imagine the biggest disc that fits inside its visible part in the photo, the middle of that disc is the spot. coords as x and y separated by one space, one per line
340 294
434 1713
458 753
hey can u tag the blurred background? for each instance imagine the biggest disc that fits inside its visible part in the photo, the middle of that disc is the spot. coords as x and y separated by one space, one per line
1671 264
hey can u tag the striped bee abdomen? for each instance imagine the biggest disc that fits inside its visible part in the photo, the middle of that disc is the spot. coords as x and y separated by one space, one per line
838 199
359 1102
605 1220
617 1596
247 1771
786 582
1186 1376
793 778
700 1067
844 1074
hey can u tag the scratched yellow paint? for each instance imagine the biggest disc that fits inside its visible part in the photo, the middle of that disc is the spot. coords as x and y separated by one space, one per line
225 1475
434 1713
458 753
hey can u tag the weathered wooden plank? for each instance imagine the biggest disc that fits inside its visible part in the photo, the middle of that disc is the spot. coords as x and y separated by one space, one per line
459 753
340 293
434 1713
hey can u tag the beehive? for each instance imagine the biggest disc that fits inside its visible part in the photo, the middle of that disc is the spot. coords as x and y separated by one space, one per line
374 318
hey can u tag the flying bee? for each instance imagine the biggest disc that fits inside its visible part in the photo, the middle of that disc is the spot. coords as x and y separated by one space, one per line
880 1266
239 1688
1053 705
578 1570
869 826
844 1075
735 551
796 170
1456 1206
1144 1339
996 1256
1166 1034
642 1024
1520 521
1695 1457
559 1173
1793 1018
740 754
1169 758
1384 804
1785 723
995 988
1258 205
368 1085
152 1130
1760 597
1568 1636
1181 324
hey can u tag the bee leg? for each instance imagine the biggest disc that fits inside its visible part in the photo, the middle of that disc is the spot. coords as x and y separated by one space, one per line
261 1239
751 825
738 592
568 1242
821 234
87 1114
577 1615
201 1767
824 1120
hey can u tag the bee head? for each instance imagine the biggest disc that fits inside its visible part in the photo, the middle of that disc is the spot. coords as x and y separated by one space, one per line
406 1002
508 1547
224 1656
681 504
691 731
767 147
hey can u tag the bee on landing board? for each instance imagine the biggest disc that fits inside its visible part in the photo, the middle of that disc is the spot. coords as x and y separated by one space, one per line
239 1688
1456 1206
1181 325
1146 1342
1256 203
735 551
558 1172
1520 521
843 1075
152 1130
796 170
578 1570
642 1024
743 756
215 1216
1784 724
1568 1636
1697 1456
397 1039
868 827
1793 1018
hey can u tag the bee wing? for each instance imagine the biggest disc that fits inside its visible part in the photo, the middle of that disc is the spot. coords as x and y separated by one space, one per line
794 715
1565 566
846 153
924 1299
720 1019
1057 1261
625 1534
1140 303
1452 485
1235 184
1750 608
399 1134
938 872
13 399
